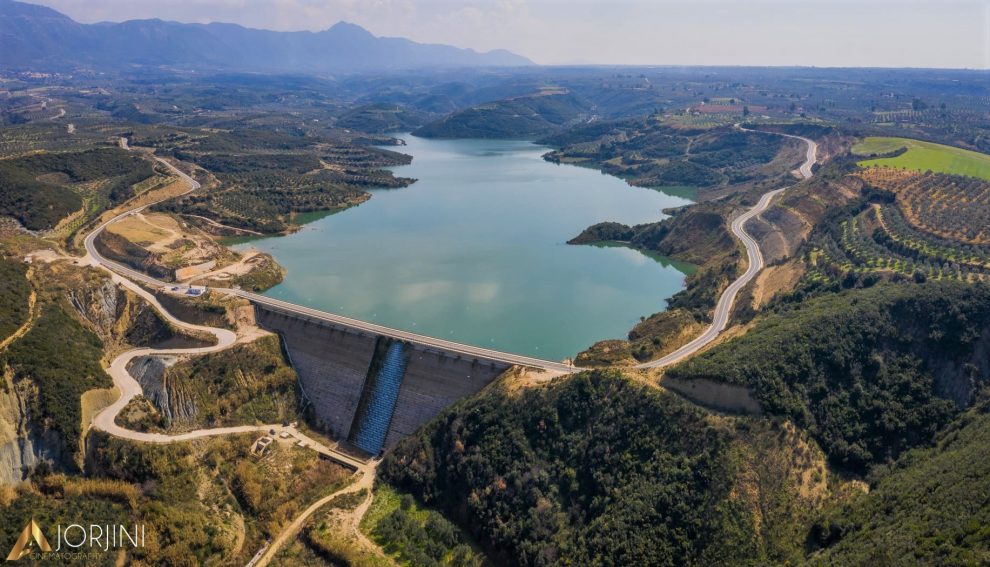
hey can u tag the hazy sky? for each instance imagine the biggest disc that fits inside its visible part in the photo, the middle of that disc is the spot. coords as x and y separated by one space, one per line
894 33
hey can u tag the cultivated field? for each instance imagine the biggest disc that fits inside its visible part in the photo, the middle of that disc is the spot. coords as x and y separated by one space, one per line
949 206
924 156
933 226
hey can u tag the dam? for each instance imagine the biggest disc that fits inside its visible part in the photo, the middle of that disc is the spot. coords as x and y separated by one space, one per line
395 309
369 389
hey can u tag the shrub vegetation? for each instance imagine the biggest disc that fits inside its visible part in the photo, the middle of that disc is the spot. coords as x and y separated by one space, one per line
62 358
590 470
14 293
869 372
38 189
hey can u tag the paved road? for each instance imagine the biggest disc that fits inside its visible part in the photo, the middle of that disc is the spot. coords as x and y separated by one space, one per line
720 320
129 387
93 255
449 346
105 420
728 298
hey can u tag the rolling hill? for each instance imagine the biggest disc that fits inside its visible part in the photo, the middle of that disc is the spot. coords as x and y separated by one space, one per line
536 114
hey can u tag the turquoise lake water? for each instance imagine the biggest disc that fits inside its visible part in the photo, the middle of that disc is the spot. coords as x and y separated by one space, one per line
475 252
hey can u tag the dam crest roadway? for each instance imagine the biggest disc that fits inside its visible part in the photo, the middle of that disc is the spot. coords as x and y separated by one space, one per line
399 379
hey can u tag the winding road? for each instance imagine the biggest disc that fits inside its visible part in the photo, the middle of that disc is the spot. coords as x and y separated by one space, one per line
127 276
129 388
724 308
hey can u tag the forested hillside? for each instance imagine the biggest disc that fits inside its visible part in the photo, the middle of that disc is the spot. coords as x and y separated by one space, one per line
595 466
593 469
650 153
268 175
930 509
383 118
62 359
517 117
41 189
14 292
870 372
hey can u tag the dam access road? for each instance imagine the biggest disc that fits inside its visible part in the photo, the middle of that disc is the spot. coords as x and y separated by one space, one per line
129 387
728 298
133 279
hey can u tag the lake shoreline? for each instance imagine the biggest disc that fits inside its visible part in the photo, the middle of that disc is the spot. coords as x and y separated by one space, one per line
487 180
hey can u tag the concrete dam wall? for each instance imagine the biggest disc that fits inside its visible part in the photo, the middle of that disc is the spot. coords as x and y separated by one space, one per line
372 390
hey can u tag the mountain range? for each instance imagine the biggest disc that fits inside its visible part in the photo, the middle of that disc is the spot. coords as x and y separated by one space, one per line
33 36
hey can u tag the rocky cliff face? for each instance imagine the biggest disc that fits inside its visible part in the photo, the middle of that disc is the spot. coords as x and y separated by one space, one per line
119 318
22 443
716 395
960 379
171 402
101 303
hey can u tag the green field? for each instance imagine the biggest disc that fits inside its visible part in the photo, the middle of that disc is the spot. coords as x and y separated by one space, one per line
923 156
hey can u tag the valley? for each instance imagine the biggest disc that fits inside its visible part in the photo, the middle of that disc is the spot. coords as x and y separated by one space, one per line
418 305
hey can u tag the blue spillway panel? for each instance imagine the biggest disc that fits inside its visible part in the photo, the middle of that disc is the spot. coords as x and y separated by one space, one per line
374 427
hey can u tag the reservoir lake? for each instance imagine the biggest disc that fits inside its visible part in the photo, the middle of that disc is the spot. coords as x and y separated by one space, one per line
475 252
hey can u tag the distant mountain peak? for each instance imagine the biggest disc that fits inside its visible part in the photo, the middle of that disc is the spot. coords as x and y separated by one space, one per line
349 28
38 37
